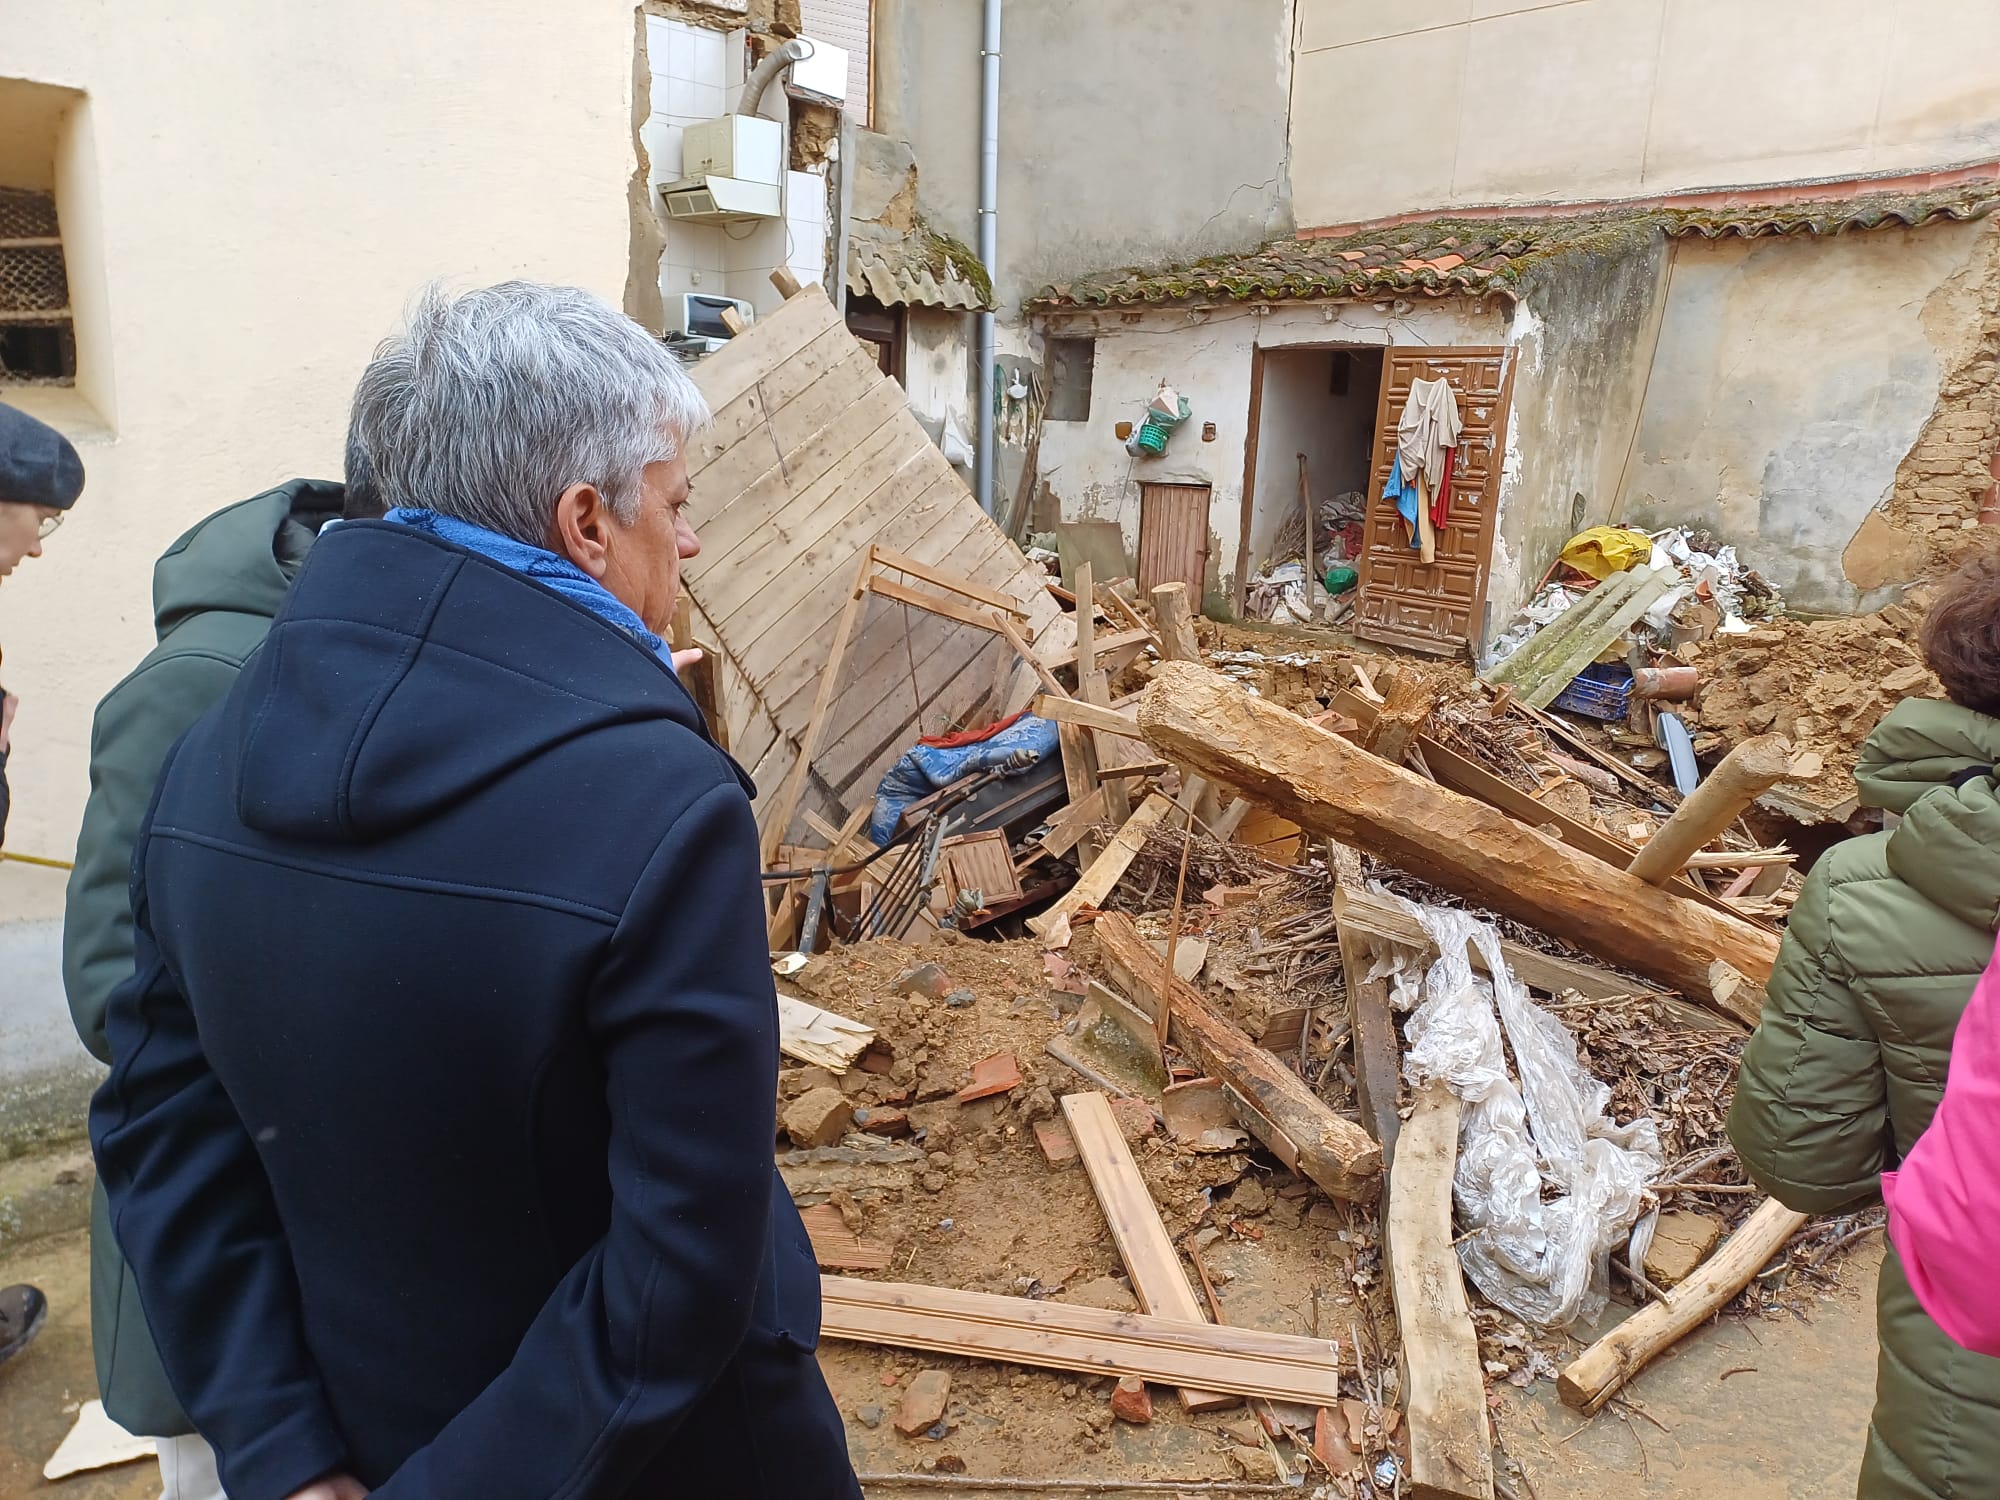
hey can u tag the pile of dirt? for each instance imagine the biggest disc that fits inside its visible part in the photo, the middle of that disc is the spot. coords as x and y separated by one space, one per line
1825 685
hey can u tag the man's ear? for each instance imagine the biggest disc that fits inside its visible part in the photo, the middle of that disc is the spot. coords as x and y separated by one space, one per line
581 529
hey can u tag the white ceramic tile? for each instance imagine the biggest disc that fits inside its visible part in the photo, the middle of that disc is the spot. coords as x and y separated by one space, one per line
732 97
708 53
765 246
805 197
681 97
663 148
708 100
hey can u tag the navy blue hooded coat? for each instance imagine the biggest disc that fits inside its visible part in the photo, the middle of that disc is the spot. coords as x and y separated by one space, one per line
440 1134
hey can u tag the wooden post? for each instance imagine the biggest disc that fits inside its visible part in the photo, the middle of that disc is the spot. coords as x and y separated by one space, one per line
1745 774
1451 1443
1092 688
1178 641
1306 504
701 677
1328 786
795 784
1378 1062
1596 1375
1272 1101
1103 873
1405 711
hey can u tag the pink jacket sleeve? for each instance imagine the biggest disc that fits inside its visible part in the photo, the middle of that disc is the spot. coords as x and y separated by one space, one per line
1944 1205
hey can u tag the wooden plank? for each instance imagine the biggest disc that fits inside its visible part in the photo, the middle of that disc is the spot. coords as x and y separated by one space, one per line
1331 787
897 562
1148 1255
1271 1100
1451 1440
1059 1336
1102 877
1597 1374
838 1248
1744 774
936 604
1070 825
1177 637
1378 1058
825 1037
1067 710
741 363
788 799
1113 642
1026 652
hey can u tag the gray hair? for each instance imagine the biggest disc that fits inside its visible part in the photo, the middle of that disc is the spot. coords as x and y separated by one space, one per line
489 404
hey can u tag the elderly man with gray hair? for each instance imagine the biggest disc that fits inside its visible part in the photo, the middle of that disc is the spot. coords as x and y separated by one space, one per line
464 1187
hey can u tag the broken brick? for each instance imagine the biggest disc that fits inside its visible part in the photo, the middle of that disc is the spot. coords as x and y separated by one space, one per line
924 1403
998 1074
1330 1445
1131 1401
1134 1117
819 1117
1058 1145
880 1119
927 980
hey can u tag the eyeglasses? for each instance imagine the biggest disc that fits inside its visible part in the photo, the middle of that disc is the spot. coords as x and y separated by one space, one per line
49 524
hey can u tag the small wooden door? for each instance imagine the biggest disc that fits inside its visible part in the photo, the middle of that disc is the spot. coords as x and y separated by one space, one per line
1402 601
1173 537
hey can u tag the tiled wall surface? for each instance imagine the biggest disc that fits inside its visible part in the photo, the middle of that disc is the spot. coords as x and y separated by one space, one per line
697 75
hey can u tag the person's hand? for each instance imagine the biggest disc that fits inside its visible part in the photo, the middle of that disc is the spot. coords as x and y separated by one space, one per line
684 659
333 1487
9 702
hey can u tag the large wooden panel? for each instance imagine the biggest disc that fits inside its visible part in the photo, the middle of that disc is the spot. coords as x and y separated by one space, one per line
812 457
1403 601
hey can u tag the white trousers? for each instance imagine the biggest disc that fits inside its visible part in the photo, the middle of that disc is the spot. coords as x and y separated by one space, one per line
187 1470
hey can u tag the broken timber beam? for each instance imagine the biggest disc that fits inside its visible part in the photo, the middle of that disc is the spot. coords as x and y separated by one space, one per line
1103 873
1597 1374
1149 1257
1744 775
1103 719
1405 710
1378 1061
1061 1336
1451 1442
1177 637
1274 1103
1331 787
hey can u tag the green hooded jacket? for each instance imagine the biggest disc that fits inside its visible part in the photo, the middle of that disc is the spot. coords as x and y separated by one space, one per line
1883 949
214 593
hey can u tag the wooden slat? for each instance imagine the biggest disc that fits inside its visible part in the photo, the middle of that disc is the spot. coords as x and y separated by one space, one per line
1067 710
1097 882
1057 1336
741 363
1069 825
937 604
1106 643
942 578
1451 1443
838 1248
788 800
1041 669
1378 1061
1157 1279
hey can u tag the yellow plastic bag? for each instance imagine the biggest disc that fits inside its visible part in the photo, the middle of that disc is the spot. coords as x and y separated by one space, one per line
1604 550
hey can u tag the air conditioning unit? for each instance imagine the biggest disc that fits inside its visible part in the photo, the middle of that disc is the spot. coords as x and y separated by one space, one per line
733 169
698 315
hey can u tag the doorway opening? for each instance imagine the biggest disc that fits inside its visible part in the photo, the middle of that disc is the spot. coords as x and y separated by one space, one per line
1314 420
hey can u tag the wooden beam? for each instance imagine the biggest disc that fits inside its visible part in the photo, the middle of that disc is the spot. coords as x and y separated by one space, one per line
1094 687
1075 820
703 684
1012 635
1738 859
1405 710
1597 1374
1451 1441
1378 1059
1272 1101
1059 1336
1104 644
1066 710
1331 787
1134 769
950 609
786 283
1104 873
829 675
1150 1260
1744 775
1177 638
898 562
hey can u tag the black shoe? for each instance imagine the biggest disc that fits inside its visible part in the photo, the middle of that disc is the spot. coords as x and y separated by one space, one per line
23 1310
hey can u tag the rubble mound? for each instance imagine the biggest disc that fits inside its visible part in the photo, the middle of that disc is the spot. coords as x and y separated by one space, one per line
1824 684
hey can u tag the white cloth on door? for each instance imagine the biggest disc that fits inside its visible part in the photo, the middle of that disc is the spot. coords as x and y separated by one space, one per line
1430 425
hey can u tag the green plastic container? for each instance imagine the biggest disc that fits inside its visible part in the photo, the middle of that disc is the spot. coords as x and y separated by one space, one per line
1340 579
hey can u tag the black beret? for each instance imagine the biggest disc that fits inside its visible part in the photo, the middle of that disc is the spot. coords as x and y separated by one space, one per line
37 464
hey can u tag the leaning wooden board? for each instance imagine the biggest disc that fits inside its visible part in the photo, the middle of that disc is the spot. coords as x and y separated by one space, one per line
1058 1336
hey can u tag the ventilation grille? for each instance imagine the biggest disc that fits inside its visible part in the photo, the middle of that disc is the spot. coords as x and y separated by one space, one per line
26 215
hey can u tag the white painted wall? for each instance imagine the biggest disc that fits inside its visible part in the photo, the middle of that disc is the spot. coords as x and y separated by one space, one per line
263 188
1405 105
1208 361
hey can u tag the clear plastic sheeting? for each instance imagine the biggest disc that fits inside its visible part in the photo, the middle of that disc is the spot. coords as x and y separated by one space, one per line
1547 1185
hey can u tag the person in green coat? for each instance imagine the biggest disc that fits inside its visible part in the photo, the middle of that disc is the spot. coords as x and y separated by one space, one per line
214 593
1884 946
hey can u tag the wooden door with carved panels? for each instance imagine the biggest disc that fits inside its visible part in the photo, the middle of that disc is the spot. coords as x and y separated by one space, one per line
1403 601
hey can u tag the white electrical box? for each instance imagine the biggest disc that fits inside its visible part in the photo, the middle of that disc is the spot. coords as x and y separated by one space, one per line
823 75
748 148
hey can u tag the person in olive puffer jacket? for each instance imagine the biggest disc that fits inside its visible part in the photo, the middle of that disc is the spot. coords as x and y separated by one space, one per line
1884 947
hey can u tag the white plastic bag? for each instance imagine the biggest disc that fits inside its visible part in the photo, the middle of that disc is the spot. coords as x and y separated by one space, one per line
1545 1260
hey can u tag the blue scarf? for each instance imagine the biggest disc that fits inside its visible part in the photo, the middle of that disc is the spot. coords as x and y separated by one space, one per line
545 567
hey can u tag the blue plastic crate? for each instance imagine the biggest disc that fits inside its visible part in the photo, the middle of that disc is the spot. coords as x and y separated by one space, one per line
1603 691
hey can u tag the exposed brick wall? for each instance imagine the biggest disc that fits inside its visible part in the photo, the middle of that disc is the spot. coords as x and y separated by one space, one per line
1944 479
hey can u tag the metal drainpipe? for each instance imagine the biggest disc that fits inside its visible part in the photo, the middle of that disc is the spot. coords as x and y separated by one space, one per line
989 240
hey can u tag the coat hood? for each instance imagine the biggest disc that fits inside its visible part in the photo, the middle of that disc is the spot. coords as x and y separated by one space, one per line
403 673
1948 844
231 561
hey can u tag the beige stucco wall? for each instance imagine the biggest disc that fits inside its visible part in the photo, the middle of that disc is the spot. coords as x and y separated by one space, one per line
262 188
1403 105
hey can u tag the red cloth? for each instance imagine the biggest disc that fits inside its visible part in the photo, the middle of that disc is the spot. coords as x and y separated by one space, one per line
1441 501
970 736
